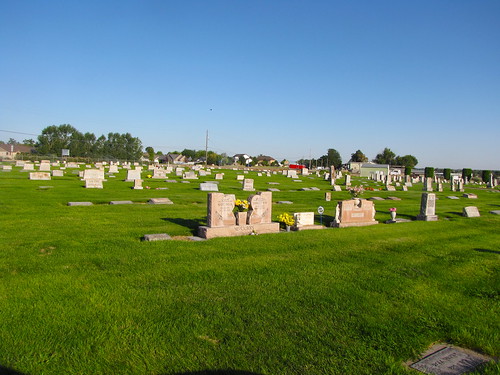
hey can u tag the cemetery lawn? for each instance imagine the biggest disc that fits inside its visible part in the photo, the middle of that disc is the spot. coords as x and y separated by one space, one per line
80 293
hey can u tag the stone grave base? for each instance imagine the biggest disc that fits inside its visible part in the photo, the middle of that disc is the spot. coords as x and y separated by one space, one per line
308 227
237 230
346 225
427 217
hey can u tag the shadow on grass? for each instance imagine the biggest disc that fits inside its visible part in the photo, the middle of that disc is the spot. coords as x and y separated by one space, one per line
217 372
188 223
487 251
455 213
8 371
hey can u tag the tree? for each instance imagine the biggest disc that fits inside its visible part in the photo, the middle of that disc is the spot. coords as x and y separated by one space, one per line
408 171
12 141
54 138
447 173
358 156
242 160
406 161
28 142
466 173
151 153
485 176
429 172
333 158
385 157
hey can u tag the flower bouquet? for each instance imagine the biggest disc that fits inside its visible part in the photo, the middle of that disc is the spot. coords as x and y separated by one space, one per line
357 191
287 220
241 205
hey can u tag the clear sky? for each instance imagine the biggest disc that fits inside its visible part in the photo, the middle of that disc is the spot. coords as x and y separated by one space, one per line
284 78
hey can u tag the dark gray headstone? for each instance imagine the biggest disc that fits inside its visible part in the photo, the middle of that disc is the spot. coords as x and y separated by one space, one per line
80 203
449 361
157 237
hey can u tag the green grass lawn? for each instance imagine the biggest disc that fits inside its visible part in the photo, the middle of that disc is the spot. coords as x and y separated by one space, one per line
80 293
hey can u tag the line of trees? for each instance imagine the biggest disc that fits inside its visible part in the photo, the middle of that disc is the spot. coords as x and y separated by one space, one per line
115 146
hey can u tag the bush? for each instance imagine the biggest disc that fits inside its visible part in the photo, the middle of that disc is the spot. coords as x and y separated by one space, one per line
486 175
447 173
466 173
408 171
429 172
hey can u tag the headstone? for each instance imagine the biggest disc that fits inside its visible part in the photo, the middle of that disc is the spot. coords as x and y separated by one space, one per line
157 237
240 177
347 180
303 218
219 176
495 212
160 201
93 183
428 207
284 202
121 202
305 172
248 184
113 169
440 187
93 174
28 167
220 210
470 196
452 197
328 196
158 173
80 203
449 361
292 173
133 174
202 173
273 189
138 185
428 184
190 175
405 188
44 167
40 176
390 188
354 212
209 186
471 211
337 188
260 208
57 173
7 167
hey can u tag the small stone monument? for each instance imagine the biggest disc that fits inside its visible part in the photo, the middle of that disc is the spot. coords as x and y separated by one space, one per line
248 184
138 185
471 211
428 207
93 183
354 213
328 196
40 176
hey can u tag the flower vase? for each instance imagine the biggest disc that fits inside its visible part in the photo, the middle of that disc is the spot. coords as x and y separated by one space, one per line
393 215
241 218
287 227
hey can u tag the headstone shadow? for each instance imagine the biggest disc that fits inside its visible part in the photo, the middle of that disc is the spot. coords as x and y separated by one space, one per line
455 213
487 251
215 372
9 371
188 223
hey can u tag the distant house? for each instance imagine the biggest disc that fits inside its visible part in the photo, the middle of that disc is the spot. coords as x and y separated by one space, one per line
248 158
366 169
263 158
11 151
174 159
145 158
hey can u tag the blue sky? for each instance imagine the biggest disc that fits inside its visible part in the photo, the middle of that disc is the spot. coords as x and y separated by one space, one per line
286 78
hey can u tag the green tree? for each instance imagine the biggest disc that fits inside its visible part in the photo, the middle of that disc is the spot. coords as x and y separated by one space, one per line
406 161
447 173
408 171
54 138
12 141
429 172
466 173
192 153
485 176
358 156
333 158
242 160
28 142
385 157
151 153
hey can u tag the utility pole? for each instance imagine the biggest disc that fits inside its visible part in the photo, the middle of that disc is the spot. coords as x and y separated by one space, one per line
206 150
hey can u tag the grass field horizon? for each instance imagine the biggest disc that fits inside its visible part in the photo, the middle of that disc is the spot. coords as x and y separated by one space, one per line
80 293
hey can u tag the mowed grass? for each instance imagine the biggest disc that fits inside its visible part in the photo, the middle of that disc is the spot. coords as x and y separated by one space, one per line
80 293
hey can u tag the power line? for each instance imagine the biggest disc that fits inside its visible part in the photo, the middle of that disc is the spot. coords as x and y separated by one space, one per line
10 131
